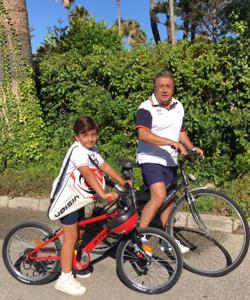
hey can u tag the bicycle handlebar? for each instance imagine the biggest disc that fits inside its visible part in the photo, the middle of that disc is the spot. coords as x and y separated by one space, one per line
191 156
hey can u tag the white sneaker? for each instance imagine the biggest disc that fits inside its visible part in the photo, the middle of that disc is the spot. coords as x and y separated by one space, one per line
83 274
165 246
70 287
183 248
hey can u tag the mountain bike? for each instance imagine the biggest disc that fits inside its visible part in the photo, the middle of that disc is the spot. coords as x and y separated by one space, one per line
206 221
31 251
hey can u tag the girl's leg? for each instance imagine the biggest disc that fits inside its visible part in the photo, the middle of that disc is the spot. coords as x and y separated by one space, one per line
66 283
70 238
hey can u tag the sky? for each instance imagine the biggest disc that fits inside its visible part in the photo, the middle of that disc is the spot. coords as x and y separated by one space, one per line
43 14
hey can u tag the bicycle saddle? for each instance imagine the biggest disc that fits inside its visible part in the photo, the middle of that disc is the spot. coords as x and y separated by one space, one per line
127 164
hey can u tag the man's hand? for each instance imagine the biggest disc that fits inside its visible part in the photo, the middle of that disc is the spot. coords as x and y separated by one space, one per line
180 148
198 150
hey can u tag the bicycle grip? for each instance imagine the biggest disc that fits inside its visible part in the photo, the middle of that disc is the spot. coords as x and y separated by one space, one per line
109 198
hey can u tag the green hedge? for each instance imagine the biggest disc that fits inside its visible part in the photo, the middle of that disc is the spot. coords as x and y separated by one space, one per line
91 74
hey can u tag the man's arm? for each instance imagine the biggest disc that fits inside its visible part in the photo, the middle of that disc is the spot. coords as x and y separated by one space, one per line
146 135
185 140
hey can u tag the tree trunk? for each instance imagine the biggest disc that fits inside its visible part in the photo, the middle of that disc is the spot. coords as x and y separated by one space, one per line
172 21
19 18
153 22
119 16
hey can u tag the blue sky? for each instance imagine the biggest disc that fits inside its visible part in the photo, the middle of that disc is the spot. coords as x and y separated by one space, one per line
46 13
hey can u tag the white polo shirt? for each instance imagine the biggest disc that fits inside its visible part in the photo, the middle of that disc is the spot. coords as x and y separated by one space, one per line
163 122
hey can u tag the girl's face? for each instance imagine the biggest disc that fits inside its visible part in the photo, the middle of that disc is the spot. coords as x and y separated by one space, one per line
87 139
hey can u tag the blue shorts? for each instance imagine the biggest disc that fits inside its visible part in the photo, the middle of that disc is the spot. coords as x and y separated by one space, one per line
153 173
73 218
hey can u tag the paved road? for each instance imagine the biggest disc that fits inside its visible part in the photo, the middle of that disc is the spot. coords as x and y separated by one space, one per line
104 283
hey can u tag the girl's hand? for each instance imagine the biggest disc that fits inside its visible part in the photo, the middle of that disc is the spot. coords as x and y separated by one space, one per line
112 196
127 181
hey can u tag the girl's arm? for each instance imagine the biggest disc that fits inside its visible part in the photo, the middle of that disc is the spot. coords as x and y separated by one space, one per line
89 176
112 173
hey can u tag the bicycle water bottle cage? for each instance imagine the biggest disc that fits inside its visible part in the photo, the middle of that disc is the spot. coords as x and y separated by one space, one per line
125 222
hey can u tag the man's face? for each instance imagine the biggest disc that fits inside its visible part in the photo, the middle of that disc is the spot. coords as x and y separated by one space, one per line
164 90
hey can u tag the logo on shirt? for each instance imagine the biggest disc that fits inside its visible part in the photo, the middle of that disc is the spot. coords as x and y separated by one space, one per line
159 111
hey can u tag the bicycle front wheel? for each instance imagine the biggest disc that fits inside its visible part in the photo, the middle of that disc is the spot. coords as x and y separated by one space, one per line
151 273
22 240
215 230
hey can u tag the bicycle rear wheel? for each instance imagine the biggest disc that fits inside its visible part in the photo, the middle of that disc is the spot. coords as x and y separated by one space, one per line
216 232
151 274
23 239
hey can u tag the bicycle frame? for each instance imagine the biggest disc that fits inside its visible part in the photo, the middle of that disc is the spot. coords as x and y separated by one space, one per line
101 236
172 189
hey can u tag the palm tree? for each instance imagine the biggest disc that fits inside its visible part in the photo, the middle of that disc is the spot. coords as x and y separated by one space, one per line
119 16
132 30
153 21
172 21
67 3
17 11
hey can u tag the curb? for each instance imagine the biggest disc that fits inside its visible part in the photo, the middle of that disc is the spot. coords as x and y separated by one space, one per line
25 202
43 204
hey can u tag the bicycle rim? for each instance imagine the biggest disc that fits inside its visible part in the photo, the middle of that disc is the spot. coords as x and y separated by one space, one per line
154 274
218 247
24 239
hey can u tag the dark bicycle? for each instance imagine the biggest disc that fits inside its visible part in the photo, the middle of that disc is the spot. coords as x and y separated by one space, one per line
208 222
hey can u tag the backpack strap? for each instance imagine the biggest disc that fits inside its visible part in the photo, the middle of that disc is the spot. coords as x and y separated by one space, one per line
61 177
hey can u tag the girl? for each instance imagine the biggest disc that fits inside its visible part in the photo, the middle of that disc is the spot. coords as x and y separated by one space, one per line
83 157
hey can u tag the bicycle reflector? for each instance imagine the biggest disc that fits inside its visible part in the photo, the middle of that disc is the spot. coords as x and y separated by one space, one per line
125 222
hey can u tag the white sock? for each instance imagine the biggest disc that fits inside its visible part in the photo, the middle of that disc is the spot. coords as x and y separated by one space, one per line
66 276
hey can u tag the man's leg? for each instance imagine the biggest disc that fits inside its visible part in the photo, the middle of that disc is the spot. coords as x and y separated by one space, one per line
166 213
158 194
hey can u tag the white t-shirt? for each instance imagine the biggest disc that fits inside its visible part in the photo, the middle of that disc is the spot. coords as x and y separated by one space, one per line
79 157
163 122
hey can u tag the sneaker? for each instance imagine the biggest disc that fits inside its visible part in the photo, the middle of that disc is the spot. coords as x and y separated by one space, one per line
165 246
83 273
70 287
184 249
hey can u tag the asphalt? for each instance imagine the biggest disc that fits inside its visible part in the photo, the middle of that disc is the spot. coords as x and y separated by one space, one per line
104 283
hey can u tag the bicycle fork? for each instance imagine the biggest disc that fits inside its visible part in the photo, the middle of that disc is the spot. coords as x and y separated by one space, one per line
196 216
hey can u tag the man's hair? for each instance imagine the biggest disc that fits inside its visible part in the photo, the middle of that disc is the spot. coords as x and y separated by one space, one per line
163 74
84 124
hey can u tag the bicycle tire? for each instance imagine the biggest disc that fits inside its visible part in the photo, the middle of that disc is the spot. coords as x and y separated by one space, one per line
223 247
137 272
18 242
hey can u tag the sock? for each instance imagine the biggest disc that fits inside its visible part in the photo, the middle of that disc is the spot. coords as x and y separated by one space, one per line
66 276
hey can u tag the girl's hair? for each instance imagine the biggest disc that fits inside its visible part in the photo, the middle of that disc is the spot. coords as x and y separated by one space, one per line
84 124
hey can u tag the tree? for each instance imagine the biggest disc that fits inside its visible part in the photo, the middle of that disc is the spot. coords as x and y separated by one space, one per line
19 18
119 16
153 21
132 30
22 135
172 21
67 3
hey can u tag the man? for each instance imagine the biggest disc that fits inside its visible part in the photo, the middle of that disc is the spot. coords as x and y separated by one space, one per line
161 134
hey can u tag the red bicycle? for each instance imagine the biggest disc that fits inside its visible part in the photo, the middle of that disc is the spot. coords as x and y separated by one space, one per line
31 251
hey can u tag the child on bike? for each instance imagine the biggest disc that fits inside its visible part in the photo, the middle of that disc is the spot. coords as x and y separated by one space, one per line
84 156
